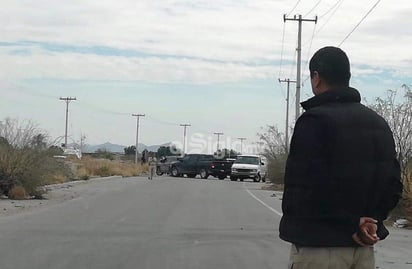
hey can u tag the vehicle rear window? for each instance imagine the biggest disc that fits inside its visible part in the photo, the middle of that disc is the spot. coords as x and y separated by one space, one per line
247 160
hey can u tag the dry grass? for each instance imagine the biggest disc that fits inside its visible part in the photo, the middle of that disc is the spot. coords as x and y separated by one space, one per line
18 193
57 178
89 167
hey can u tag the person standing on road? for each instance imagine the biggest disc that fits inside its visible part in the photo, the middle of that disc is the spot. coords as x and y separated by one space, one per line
152 161
342 178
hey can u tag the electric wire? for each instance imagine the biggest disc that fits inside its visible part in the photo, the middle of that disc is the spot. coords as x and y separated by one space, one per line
293 9
357 25
313 8
330 17
335 9
330 9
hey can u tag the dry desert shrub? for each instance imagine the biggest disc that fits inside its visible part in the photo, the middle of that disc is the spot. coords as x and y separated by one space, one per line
18 193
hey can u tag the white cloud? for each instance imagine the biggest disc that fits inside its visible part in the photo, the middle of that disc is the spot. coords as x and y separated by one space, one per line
207 41
95 67
228 31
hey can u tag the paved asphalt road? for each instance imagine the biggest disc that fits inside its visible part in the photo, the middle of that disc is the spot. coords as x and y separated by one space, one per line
136 223
172 223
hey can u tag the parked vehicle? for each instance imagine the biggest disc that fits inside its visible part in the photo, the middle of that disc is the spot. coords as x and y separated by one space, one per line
220 168
164 164
192 165
249 166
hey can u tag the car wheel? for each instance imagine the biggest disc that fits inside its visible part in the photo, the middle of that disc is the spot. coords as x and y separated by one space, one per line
257 178
221 177
203 173
175 172
241 179
232 178
158 172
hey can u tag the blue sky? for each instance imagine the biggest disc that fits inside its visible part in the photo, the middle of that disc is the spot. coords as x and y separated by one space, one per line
213 64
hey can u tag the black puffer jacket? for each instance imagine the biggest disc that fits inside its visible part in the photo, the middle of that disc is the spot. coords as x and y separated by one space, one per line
341 167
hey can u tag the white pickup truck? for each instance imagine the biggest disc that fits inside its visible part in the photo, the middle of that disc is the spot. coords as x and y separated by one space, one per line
249 166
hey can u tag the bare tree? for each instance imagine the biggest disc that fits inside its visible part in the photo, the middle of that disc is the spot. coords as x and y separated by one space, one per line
276 152
274 142
25 158
396 108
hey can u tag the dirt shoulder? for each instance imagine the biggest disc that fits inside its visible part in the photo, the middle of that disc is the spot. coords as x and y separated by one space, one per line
56 193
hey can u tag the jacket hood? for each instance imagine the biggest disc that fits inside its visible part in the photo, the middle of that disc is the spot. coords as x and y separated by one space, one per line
337 95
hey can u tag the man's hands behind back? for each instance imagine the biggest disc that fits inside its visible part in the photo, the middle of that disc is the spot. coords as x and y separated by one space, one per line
366 234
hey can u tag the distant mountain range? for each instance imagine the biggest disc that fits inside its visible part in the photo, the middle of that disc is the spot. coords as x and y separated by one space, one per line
115 148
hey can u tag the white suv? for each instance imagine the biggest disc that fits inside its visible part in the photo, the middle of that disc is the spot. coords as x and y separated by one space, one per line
249 166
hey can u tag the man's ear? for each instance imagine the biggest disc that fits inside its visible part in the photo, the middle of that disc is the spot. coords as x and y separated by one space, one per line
316 79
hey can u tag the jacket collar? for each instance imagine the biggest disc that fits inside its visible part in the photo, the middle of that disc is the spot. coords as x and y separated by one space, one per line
337 95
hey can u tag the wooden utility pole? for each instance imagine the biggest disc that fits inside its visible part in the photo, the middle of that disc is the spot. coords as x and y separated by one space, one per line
67 100
288 81
299 19
137 133
218 136
184 125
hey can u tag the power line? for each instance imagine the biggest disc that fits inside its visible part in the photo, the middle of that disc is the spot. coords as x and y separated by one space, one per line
293 9
356 26
330 9
162 121
313 8
335 8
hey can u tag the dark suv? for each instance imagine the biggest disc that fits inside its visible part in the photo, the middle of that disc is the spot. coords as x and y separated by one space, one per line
192 165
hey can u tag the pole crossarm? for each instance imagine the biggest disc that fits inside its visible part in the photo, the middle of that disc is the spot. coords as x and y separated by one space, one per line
299 18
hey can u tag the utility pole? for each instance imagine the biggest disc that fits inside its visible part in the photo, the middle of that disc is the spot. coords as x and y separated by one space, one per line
137 133
241 143
288 81
184 125
218 136
299 19
82 139
67 100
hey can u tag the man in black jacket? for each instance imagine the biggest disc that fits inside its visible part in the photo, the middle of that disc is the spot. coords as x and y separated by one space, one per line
342 178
